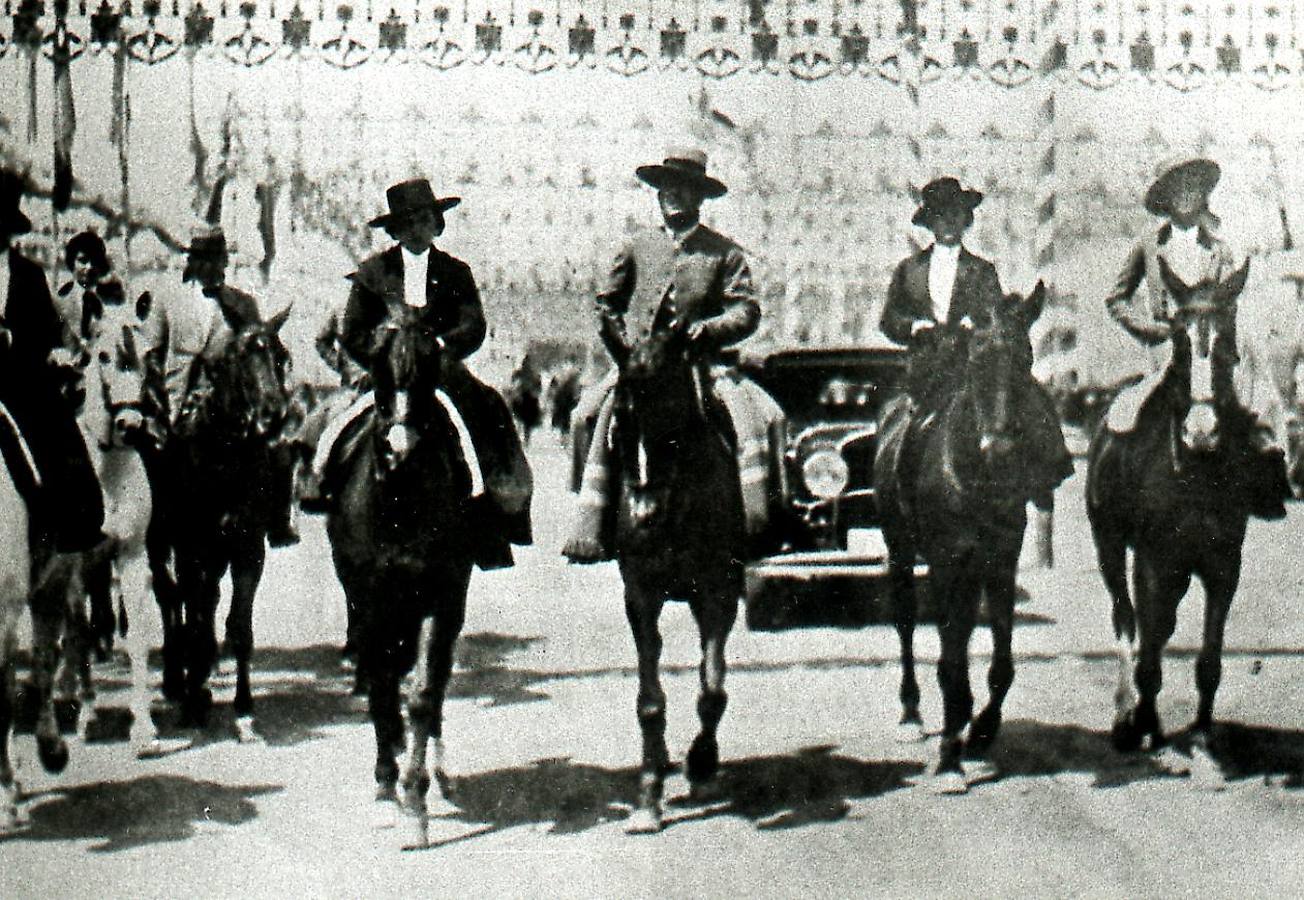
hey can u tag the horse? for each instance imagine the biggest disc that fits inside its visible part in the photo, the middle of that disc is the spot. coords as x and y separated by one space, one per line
679 535
218 514
1173 491
403 536
15 584
961 505
116 575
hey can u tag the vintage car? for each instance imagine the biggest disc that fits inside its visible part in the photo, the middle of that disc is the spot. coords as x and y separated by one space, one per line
828 560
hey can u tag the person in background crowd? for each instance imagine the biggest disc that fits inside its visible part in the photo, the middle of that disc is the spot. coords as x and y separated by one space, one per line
66 505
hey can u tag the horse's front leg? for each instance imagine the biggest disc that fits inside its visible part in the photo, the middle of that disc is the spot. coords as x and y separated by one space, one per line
1158 589
199 586
901 585
955 596
48 613
643 611
1220 587
715 614
1000 674
433 670
246 572
132 586
11 817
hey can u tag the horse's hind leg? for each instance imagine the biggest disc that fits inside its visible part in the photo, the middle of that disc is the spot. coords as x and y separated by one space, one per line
48 614
132 579
1111 554
643 611
1000 674
715 618
10 791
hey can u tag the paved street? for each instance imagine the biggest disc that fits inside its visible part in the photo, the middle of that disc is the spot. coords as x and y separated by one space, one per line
817 796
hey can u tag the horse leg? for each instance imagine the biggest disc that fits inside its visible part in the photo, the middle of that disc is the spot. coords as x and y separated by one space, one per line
199 586
434 670
1220 587
956 600
905 608
246 571
47 607
1000 674
715 616
10 791
1158 594
1111 553
643 611
132 577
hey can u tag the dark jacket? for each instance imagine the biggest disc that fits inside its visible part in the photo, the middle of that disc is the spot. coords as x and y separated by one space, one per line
976 292
452 313
705 278
30 317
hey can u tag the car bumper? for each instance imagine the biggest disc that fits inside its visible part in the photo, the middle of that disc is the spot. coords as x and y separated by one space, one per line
836 589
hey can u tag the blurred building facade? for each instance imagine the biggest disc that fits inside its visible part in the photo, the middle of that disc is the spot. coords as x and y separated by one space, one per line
823 116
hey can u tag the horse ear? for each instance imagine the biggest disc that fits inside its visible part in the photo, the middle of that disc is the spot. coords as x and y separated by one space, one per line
1230 289
1176 286
1036 302
278 320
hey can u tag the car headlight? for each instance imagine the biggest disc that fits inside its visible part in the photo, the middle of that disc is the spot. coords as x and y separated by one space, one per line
825 473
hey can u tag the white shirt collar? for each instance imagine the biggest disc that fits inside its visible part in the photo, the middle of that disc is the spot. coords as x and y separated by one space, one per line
942 267
415 270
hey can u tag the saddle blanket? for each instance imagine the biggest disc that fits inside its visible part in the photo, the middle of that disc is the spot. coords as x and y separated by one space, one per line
336 429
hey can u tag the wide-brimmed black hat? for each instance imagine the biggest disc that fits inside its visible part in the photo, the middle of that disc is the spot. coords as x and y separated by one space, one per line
12 188
942 194
1172 174
411 196
683 167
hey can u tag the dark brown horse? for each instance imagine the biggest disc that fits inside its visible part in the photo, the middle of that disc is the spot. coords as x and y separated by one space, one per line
217 513
956 498
403 537
1174 491
679 535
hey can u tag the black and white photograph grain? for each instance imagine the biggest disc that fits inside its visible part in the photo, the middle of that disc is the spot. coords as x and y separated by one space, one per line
651 449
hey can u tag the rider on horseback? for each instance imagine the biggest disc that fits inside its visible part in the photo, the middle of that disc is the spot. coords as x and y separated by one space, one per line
191 332
682 276
938 296
68 502
417 284
1188 242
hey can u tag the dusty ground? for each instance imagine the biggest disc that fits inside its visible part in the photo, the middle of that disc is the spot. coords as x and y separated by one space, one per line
817 796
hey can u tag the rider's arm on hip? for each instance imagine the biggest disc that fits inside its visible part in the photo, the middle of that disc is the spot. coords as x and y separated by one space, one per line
1121 302
612 302
741 313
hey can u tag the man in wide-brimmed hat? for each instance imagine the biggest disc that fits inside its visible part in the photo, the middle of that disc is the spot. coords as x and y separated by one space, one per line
414 282
943 291
67 504
1189 243
190 329
682 275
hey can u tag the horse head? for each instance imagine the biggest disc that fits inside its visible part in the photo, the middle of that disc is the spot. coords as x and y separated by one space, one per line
249 380
998 360
408 370
1204 350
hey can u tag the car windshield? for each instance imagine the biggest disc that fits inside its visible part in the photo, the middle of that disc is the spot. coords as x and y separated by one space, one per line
832 385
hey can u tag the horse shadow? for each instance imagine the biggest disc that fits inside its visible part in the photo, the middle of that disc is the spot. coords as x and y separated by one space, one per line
482 673
1029 748
808 786
150 809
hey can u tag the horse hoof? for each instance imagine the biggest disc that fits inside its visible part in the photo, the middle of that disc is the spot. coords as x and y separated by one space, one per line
909 733
948 784
244 731
1206 774
705 792
643 821
980 771
703 759
1125 737
53 754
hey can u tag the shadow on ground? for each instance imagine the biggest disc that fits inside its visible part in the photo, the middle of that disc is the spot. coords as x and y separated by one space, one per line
1030 748
789 790
151 809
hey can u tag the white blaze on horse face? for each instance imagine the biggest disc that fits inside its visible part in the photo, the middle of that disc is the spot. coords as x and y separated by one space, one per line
642 462
399 438
1200 426
402 406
